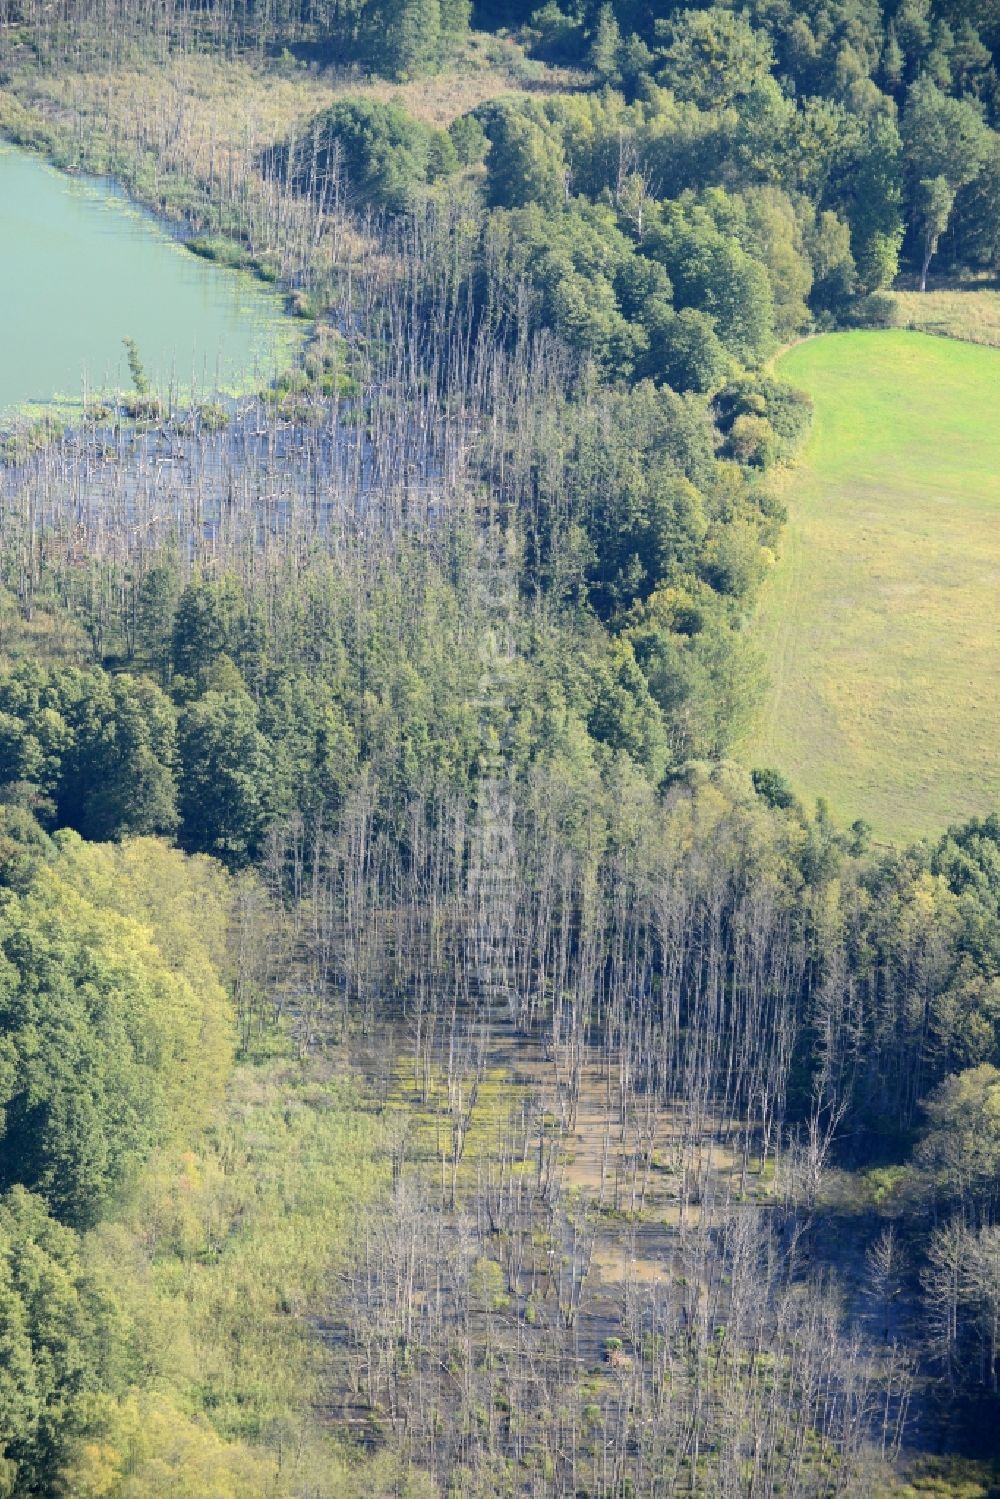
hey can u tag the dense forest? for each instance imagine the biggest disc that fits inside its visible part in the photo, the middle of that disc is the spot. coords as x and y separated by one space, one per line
432 1063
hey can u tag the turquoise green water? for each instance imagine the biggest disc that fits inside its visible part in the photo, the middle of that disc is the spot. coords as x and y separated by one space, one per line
81 269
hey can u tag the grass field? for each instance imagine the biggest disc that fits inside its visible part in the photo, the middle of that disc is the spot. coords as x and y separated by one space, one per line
882 616
970 312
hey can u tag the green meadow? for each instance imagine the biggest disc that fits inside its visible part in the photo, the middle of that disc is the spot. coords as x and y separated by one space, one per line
881 619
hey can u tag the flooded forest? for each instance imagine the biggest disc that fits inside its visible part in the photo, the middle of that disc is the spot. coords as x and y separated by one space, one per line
433 1061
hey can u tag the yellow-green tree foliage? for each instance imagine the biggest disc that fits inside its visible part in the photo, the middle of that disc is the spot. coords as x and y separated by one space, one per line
185 907
150 1448
115 1025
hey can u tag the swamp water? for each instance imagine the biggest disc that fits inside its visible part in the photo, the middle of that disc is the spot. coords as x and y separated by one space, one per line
81 269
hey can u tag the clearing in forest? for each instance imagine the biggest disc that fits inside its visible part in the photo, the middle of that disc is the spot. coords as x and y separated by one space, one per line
881 619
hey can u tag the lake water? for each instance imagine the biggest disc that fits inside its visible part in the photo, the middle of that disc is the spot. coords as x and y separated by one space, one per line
81 269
